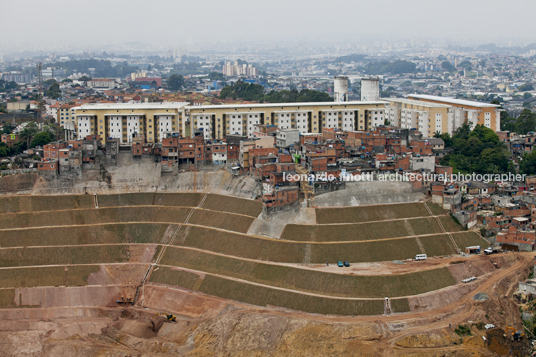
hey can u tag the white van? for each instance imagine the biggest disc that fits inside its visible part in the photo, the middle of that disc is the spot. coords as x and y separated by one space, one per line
421 257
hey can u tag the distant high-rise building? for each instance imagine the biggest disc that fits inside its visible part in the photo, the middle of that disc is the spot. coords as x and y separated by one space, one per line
238 70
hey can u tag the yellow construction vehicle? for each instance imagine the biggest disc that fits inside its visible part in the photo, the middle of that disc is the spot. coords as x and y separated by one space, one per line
170 318
515 335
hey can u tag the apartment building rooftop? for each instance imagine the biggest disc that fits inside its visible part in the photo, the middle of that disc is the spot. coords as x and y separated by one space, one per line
418 102
127 106
274 105
453 101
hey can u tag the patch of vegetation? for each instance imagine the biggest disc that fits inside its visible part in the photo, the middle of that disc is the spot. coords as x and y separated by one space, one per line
256 92
479 325
463 330
479 151
386 67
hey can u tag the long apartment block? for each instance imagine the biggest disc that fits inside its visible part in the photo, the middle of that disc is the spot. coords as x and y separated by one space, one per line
427 114
153 120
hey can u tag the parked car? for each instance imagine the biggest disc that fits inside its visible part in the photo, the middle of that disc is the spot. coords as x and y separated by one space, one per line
346 264
468 280
340 264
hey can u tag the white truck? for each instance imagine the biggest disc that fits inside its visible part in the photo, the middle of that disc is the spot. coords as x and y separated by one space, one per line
491 250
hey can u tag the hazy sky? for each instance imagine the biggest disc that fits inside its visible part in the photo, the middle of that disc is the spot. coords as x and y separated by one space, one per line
30 23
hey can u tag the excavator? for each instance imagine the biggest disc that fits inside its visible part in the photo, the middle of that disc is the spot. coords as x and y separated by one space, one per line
170 318
515 335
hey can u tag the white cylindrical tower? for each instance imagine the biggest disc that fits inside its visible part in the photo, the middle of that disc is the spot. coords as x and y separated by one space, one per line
370 89
340 89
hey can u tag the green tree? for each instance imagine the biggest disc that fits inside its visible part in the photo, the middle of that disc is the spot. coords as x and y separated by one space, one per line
386 67
42 138
447 66
11 85
525 122
478 151
28 133
8 128
3 150
465 64
175 82
54 91
216 76
527 165
525 87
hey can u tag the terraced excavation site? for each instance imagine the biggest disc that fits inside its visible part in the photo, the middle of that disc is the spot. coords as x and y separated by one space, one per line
74 260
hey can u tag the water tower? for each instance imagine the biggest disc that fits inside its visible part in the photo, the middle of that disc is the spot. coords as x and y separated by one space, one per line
340 89
370 89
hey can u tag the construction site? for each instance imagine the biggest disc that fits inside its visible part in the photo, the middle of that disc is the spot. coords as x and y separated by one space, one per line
194 267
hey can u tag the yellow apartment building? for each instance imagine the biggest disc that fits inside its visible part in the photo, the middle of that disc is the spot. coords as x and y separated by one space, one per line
466 111
218 121
123 120
425 117
152 120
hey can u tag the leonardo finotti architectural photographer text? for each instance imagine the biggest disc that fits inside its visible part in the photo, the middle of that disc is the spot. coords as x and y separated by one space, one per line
406 177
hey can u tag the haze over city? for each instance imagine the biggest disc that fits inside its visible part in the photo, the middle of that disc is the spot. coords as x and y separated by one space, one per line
59 25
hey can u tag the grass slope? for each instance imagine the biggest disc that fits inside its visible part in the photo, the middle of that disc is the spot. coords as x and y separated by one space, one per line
83 235
468 239
233 205
46 276
299 252
263 296
64 255
93 216
227 221
13 204
311 280
450 224
370 213
362 231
